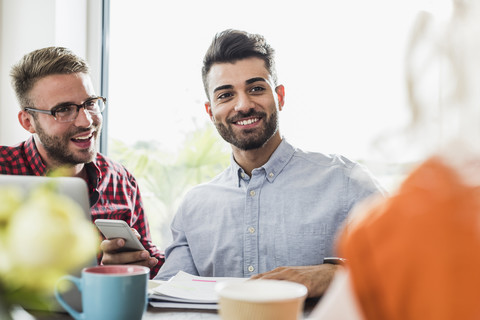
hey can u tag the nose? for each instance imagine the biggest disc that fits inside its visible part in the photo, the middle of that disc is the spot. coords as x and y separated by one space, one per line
244 102
84 118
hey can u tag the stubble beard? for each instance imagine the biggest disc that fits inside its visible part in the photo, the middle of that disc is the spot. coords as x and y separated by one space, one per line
57 146
249 139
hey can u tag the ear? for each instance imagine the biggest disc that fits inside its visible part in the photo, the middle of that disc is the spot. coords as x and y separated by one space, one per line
208 109
26 120
280 90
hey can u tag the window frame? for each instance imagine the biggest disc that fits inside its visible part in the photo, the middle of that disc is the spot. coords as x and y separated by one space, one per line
105 53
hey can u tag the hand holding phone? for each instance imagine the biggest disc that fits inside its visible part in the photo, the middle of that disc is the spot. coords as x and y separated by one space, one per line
112 229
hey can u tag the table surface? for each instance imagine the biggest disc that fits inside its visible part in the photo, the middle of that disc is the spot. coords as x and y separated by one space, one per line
161 313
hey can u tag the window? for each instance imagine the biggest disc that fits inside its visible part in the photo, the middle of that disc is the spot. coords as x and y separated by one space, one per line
340 61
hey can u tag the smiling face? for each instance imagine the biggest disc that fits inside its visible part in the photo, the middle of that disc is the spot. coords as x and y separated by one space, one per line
63 143
244 103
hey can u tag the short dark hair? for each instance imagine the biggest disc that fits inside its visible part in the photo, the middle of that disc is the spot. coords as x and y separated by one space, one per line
233 45
41 63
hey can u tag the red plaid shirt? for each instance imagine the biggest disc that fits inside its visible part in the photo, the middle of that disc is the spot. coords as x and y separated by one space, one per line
114 193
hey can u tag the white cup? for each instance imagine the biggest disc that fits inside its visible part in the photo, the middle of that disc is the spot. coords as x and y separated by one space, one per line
261 299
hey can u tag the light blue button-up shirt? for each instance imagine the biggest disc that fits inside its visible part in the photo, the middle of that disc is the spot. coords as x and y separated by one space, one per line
286 214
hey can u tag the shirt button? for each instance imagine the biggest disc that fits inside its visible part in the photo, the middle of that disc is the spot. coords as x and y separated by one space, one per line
242 175
251 269
251 229
252 193
271 174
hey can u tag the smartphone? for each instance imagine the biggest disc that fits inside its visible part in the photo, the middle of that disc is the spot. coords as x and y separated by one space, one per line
112 229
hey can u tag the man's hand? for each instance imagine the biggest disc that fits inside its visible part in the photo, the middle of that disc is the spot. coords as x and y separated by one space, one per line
112 255
315 278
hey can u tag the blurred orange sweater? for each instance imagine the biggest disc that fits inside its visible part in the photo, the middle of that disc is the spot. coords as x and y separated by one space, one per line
416 255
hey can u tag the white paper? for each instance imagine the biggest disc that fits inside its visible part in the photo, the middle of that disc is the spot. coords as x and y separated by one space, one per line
183 305
184 287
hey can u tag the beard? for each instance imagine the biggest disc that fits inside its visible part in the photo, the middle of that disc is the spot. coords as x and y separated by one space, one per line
57 146
249 139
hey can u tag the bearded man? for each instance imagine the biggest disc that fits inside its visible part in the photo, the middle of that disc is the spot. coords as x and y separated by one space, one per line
274 212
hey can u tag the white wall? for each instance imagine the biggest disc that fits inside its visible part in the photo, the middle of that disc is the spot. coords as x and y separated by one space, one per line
26 25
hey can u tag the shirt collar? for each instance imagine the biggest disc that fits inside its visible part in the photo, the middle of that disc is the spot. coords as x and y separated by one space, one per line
94 173
274 166
33 157
94 177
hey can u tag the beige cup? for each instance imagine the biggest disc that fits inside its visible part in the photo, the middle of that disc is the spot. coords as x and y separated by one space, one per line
261 299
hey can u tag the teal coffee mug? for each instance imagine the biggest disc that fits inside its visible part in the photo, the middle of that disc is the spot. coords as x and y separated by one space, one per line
109 292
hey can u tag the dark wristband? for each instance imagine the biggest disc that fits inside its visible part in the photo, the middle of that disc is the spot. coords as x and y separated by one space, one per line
335 260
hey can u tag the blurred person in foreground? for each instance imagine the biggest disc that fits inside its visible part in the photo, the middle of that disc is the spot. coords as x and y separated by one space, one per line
59 107
273 213
416 255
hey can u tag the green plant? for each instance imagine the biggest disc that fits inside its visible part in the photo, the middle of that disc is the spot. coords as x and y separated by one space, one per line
165 177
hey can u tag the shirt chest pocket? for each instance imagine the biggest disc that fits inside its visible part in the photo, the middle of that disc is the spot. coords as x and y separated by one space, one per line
302 245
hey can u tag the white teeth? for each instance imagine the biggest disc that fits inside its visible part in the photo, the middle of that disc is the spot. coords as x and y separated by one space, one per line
247 122
83 138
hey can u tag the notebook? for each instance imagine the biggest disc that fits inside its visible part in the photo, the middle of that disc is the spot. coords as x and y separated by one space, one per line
74 188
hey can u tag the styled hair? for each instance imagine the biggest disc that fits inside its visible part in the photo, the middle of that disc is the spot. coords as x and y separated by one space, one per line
41 63
231 45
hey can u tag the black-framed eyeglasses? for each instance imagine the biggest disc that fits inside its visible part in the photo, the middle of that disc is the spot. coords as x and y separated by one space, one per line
68 112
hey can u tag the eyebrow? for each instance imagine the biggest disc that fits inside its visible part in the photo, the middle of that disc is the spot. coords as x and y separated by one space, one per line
62 104
252 80
249 81
227 86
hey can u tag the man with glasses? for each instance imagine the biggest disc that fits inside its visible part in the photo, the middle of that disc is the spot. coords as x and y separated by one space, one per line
64 115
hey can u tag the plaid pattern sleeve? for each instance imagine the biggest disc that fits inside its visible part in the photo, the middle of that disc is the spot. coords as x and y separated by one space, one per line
119 198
